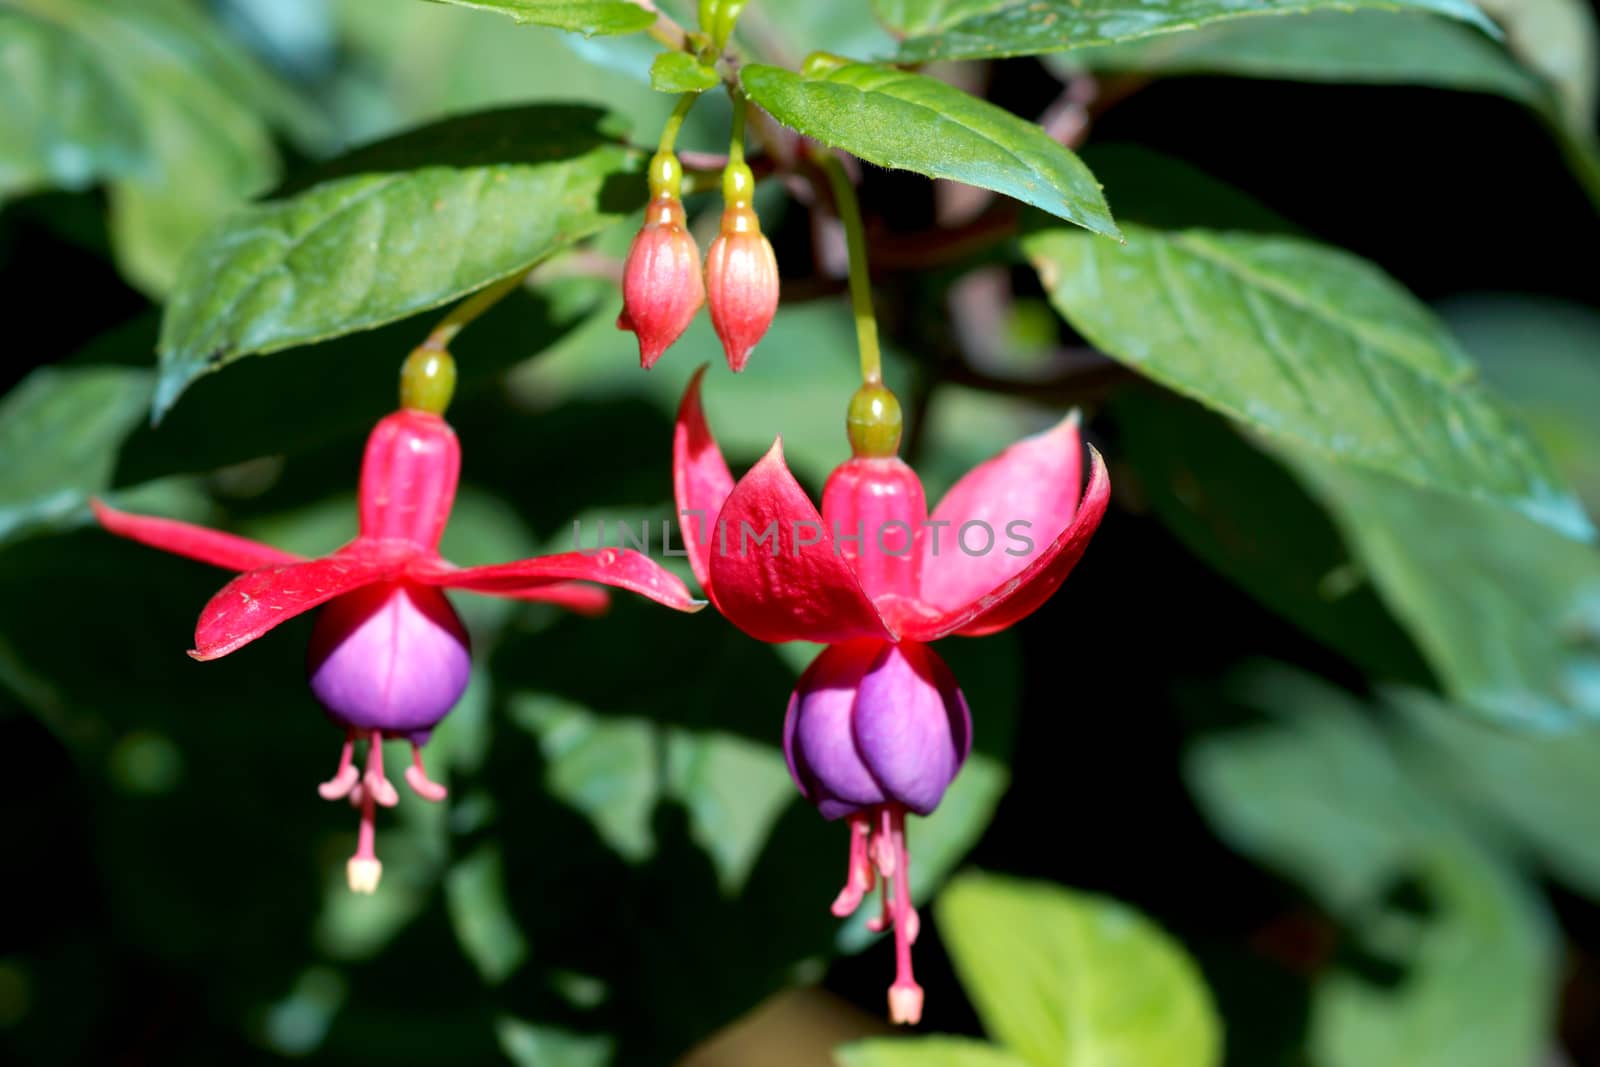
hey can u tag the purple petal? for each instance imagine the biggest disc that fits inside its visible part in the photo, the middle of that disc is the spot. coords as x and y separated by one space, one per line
912 726
389 657
818 738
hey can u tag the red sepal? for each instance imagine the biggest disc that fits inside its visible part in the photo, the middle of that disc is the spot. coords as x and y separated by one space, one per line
792 584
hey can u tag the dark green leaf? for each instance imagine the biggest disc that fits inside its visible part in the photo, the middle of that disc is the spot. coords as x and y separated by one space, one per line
1307 344
1073 980
911 122
678 72
1536 791
205 112
975 29
268 409
1380 47
1317 794
588 17
1540 353
1245 515
401 227
1558 40
924 1052
63 121
69 423
1506 611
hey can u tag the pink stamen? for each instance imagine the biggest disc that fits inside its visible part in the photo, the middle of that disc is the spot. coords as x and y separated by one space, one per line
883 845
905 995
377 786
346 777
885 917
417 779
859 878
363 871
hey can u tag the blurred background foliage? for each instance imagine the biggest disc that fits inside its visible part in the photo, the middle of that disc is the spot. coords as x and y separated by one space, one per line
1329 728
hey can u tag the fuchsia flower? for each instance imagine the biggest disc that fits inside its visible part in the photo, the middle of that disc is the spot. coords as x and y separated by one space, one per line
877 726
662 288
741 271
389 657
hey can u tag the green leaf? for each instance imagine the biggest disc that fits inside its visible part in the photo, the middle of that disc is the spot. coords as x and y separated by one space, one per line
1538 792
679 72
1073 980
63 121
988 29
1506 611
924 1052
267 409
69 422
403 226
1306 344
1378 47
1558 40
1248 518
588 17
1539 352
1317 794
205 111
911 122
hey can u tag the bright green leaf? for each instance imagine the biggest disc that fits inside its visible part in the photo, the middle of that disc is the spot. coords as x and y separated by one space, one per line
1073 980
924 1052
63 121
588 17
1306 344
985 29
678 72
912 122
400 227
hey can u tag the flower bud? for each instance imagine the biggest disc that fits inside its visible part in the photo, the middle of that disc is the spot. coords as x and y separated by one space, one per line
741 272
661 284
872 724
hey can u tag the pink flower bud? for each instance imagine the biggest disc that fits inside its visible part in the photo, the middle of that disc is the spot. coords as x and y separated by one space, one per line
661 285
742 284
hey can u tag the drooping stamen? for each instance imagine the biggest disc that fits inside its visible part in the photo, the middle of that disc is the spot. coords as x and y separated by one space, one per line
859 878
885 917
364 871
905 995
883 848
346 777
374 784
417 778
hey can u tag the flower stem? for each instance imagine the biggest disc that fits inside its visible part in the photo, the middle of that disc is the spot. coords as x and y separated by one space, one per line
736 140
471 308
844 200
665 30
669 132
